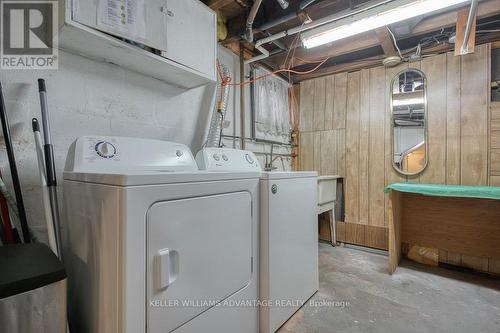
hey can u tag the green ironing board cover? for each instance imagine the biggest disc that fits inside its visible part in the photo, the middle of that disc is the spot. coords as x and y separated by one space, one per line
440 190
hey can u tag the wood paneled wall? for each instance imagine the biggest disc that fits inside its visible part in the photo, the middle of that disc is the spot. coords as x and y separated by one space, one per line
345 130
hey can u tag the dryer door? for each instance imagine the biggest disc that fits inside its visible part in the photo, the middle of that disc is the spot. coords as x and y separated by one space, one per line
199 252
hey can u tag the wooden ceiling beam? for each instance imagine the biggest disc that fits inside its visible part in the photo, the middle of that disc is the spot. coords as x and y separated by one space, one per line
374 61
462 19
486 8
348 45
218 4
385 40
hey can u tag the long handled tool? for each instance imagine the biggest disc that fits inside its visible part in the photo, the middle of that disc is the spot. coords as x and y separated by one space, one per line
45 190
13 169
50 167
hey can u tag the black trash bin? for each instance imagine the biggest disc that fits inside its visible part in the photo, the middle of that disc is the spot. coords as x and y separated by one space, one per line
32 289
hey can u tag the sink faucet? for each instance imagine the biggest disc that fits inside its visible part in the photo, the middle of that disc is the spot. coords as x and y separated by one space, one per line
269 165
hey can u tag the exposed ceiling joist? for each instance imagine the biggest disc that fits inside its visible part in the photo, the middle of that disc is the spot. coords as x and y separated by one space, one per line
385 41
460 48
487 8
218 4
373 62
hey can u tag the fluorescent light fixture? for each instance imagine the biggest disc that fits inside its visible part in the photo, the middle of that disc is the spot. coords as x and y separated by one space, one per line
374 18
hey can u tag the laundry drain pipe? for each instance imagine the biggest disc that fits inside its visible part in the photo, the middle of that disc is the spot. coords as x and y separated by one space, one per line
217 123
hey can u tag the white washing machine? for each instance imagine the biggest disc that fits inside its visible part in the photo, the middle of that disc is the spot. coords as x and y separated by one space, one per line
288 238
151 244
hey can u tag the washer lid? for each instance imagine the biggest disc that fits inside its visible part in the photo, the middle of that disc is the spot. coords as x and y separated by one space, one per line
288 174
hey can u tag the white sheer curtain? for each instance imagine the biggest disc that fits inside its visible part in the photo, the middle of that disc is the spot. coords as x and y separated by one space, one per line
272 118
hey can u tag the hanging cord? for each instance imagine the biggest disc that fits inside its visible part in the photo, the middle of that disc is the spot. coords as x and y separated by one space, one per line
293 109
396 45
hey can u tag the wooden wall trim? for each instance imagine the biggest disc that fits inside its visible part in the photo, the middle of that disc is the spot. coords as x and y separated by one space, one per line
362 234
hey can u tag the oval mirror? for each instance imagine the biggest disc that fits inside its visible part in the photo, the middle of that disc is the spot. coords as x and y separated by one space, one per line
409 122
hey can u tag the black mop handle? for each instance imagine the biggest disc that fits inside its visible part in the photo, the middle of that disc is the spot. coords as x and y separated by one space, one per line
47 147
13 169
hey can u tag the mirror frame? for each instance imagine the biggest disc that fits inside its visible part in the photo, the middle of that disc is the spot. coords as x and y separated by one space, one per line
426 117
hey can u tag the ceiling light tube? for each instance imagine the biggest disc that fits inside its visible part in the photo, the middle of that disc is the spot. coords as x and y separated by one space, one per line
374 18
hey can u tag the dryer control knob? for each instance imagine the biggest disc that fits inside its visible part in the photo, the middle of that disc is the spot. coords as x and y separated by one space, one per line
249 159
105 149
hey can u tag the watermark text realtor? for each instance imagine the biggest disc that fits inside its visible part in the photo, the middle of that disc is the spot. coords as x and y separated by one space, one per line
28 34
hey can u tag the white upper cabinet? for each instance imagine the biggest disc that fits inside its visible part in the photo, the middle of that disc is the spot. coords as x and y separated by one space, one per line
141 21
172 40
190 28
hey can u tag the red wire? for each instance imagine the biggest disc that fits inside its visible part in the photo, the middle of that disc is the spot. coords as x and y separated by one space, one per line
277 72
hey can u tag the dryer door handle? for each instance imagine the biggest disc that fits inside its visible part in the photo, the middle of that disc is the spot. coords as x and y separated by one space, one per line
167 267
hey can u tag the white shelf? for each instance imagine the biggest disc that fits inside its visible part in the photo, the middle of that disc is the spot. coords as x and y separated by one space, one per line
79 39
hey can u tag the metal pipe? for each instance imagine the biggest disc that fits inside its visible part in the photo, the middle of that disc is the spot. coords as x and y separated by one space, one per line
45 190
468 27
242 97
50 166
250 19
275 154
252 102
288 145
278 43
328 19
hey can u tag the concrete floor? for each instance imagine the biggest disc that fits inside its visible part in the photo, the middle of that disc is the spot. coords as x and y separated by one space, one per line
416 298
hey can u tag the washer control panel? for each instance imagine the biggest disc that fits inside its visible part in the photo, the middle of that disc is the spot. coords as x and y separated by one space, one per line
105 149
226 159
116 154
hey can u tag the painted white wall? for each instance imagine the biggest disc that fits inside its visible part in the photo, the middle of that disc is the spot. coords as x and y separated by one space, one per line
87 97
229 59
406 138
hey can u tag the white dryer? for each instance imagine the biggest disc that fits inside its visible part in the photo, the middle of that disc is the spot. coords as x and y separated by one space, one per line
288 258
151 244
